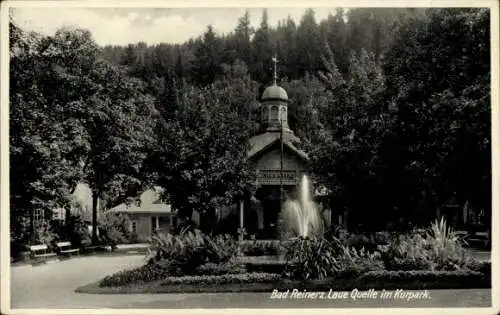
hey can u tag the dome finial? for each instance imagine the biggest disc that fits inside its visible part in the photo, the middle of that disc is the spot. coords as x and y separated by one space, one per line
275 61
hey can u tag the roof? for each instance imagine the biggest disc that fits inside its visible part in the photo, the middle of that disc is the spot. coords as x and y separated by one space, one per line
266 140
81 203
151 196
158 208
150 203
274 92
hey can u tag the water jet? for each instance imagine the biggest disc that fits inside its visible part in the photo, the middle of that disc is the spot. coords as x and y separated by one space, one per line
301 218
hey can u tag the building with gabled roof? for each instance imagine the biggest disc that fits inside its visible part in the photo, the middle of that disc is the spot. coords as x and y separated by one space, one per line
148 215
279 163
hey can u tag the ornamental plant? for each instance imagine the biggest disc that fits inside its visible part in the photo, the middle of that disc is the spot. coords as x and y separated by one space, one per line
189 250
311 258
439 248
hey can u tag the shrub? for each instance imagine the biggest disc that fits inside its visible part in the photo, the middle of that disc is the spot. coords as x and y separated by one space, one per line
221 248
260 248
259 265
420 276
409 263
189 250
439 248
44 234
245 278
74 231
483 267
211 269
382 238
114 229
19 236
311 258
359 241
352 262
445 247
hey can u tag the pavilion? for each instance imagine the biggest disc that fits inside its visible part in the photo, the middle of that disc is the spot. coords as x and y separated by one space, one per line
279 165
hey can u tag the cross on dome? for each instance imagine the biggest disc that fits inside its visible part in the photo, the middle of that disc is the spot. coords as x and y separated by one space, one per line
275 61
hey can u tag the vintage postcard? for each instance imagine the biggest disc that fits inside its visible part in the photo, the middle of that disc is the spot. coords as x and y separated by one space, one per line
284 156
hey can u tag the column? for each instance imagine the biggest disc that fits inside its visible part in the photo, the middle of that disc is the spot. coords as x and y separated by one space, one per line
241 219
260 218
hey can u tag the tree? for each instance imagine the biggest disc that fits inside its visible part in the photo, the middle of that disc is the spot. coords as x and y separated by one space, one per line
117 120
307 100
335 34
345 155
96 128
243 34
44 146
286 48
207 58
308 44
262 51
201 151
438 81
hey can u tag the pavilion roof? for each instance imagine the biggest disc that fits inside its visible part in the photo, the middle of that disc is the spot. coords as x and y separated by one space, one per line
264 141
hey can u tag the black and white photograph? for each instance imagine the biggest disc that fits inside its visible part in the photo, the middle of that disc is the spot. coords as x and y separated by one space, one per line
268 155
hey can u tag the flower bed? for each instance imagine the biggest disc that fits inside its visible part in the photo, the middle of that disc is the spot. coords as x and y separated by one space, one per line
266 282
245 278
194 262
142 274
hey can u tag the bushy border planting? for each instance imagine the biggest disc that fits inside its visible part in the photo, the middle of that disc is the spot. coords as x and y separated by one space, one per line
146 273
193 262
260 247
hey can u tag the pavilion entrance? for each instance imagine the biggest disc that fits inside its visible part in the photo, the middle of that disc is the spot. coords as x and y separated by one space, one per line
262 216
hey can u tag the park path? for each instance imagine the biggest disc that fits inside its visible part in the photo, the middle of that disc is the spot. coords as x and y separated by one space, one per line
53 286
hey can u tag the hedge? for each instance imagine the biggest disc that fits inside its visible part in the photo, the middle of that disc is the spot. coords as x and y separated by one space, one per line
391 280
266 266
212 269
245 278
425 279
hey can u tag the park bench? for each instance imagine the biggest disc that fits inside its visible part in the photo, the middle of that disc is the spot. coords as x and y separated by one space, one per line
65 248
462 234
480 239
40 253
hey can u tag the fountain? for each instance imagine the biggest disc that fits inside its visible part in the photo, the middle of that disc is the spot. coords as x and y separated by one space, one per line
301 218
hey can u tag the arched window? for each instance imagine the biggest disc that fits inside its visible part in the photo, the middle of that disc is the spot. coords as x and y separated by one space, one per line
265 114
283 113
274 113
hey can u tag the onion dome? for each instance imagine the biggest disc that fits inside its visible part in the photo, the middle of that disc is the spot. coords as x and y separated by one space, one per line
274 92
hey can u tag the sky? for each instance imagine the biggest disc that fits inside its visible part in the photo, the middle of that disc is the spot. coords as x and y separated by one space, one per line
121 26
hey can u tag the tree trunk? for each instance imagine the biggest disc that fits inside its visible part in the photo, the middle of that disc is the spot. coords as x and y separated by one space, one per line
67 215
95 197
32 225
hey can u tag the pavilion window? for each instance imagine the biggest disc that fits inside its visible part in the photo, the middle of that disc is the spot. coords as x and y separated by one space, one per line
274 113
133 226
